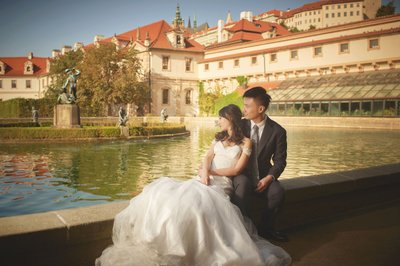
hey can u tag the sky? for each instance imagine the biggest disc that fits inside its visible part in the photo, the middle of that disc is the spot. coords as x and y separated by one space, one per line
39 26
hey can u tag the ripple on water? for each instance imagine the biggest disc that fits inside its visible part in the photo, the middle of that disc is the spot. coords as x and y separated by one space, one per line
44 177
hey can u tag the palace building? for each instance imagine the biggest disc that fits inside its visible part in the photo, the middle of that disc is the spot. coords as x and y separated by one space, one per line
341 67
23 77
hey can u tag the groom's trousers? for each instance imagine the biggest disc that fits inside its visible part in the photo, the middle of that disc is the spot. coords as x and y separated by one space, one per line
265 205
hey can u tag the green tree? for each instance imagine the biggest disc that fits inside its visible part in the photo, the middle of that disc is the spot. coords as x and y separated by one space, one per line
386 10
108 77
111 77
207 100
57 72
294 29
241 80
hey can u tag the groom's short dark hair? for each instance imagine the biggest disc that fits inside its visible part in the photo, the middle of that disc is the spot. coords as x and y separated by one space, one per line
260 95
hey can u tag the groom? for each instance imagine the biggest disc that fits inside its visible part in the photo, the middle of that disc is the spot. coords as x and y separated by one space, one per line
260 179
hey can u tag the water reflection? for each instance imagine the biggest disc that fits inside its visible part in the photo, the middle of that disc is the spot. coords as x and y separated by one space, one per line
42 177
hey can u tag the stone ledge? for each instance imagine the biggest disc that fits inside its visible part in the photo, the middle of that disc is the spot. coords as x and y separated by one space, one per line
78 236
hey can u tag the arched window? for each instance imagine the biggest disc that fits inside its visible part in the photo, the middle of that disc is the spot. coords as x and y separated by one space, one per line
188 96
165 96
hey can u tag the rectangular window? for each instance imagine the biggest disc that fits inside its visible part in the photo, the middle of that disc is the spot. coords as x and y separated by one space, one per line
326 15
373 44
358 13
165 96
345 14
351 13
1 84
338 14
333 15
351 5
13 84
188 97
273 58
220 65
188 64
28 84
338 6
326 7
344 47
165 63
236 63
293 55
254 60
317 51
345 5
206 67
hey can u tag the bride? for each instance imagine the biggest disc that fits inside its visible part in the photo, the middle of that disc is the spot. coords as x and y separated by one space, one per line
193 222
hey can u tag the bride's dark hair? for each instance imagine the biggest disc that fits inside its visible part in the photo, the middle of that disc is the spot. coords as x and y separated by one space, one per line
234 115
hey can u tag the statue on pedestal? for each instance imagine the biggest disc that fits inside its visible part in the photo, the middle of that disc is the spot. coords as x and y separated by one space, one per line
69 96
35 115
66 112
122 117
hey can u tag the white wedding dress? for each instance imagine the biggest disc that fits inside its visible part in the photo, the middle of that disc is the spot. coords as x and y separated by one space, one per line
174 222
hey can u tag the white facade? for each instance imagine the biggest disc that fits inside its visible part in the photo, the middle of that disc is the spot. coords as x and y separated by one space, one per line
331 13
363 46
23 77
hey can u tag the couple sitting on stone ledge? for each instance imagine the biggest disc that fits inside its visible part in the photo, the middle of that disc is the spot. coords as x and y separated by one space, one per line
194 222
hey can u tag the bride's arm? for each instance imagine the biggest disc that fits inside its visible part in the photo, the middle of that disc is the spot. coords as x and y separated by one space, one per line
205 170
240 165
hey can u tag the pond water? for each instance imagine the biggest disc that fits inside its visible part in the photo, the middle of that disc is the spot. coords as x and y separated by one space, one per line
43 177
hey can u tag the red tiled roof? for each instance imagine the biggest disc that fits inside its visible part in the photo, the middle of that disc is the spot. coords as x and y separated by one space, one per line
14 66
274 12
158 38
245 31
315 6
267 85
255 26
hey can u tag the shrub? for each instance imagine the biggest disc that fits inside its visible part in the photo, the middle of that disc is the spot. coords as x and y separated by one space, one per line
27 133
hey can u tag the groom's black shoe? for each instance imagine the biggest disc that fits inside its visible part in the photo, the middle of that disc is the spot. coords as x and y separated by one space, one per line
274 235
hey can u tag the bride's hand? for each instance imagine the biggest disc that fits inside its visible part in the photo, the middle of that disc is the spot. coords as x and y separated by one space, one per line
205 179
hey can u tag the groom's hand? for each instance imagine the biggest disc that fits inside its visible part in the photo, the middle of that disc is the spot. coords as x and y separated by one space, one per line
263 183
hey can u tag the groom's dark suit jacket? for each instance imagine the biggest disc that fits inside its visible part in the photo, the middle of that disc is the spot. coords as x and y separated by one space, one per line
272 145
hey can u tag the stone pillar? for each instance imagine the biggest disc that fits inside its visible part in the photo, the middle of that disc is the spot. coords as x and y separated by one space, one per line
67 116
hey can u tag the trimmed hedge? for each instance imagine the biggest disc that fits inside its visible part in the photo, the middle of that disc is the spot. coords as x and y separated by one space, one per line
20 124
84 133
21 107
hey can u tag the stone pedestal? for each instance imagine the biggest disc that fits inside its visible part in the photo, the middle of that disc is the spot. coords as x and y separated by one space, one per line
67 116
124 131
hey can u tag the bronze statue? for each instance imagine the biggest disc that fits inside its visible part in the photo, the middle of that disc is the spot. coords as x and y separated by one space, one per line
70 95
35 115
122 117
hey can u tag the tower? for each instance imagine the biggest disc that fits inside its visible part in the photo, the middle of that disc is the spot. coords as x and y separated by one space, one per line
178 21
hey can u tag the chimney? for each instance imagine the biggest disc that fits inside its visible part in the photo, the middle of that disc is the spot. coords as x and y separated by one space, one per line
98 38
147 40
248 15
220 28
48 64
78 46
65 49
55 53
30 55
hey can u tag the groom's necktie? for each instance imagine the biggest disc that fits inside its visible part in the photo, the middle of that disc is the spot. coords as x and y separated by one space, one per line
254 162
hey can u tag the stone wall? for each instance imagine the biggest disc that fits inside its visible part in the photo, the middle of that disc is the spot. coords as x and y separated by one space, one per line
78 236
